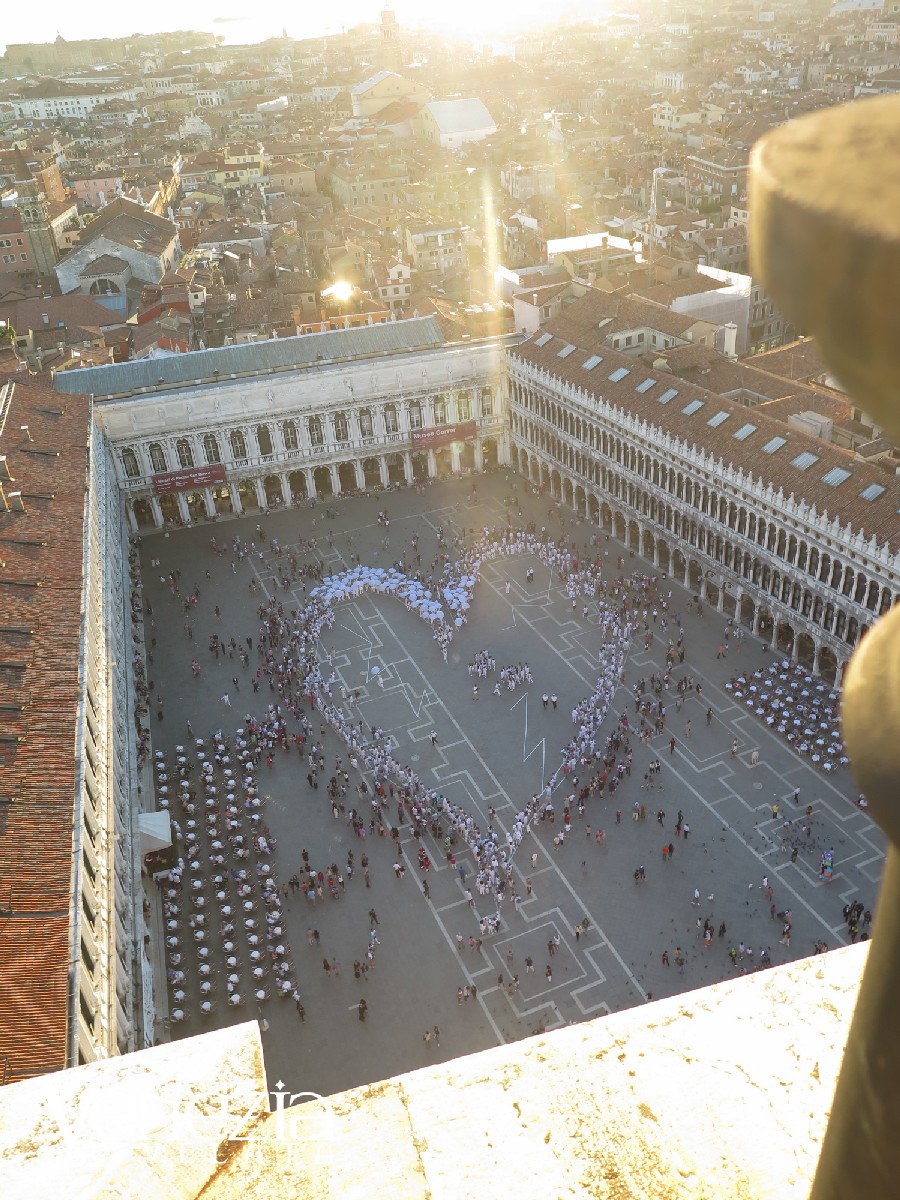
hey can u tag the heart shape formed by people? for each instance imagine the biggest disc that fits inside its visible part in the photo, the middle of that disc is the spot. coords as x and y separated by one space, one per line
297 643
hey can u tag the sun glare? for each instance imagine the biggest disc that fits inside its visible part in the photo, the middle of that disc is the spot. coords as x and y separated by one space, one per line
474 20
341 291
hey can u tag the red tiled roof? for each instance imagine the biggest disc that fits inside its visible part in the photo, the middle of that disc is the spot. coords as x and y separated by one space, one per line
578 326
40 647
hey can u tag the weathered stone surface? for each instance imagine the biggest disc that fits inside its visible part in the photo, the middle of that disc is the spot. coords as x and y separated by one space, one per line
146 1125
825 240
721 1094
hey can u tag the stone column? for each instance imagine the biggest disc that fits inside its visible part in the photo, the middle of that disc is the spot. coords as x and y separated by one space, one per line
754 628
360 475
235 498
310 476
183 511
260 492
209 502
335 479
407 467
721 605
432 465
479 455
454 458
839 674
383 471
815 666
130 517
286 497
158 518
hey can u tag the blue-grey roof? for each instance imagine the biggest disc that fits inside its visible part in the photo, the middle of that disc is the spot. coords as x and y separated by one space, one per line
207 366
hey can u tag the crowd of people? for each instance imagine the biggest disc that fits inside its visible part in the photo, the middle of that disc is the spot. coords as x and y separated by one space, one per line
293 666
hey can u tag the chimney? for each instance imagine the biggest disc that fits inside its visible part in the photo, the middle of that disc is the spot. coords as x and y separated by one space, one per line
5 474
17 504
729 348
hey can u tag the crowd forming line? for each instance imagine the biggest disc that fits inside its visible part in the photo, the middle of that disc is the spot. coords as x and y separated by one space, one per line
292 660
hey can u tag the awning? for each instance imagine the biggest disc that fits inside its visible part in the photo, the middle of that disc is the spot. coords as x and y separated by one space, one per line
155 830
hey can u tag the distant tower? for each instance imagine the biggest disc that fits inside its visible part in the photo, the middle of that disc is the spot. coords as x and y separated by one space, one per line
390 41
32 203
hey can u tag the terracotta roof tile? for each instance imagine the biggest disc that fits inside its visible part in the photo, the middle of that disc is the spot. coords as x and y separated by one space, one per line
578 325
41 578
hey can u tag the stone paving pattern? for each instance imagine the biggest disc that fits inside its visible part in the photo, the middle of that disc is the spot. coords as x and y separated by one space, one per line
497 751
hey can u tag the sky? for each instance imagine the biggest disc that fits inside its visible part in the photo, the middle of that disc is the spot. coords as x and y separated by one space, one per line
41 22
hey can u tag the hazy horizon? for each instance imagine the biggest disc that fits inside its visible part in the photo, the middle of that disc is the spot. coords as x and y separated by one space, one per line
225 19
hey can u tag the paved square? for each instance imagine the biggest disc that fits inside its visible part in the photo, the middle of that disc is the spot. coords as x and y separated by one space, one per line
495 752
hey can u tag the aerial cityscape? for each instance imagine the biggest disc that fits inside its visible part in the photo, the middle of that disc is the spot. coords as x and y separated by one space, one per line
430 557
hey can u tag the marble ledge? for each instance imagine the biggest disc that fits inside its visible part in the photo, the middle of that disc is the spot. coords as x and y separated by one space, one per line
723 1093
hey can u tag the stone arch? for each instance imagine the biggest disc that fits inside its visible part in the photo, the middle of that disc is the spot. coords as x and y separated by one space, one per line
170 510
322 480
272 489
347 477
371 472
196 506
248 497
490 453
827 664
297 484
143 514
805 649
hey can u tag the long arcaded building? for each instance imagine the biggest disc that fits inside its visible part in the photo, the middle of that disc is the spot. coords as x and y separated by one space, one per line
794 536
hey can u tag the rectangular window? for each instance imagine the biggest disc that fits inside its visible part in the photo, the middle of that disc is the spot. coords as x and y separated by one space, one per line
694 406
718 419
645 386
805 460
566 351
872 492
668 394
744 432
836 476
87 958
88 866
592 362
543 339
86 1012
619 373
774 444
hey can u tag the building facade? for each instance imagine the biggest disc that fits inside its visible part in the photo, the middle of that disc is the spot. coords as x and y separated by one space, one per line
806 580
254 439
794 538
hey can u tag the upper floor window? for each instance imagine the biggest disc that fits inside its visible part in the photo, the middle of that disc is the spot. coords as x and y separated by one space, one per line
264 439
238 444
390 418
366 427
289 434
487 403
130 464
211 449
316 435
341 427
463 407
415 415
158 458
184 452
440 410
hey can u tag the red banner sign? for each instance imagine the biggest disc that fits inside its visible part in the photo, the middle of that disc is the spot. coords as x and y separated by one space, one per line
185 481
442 435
